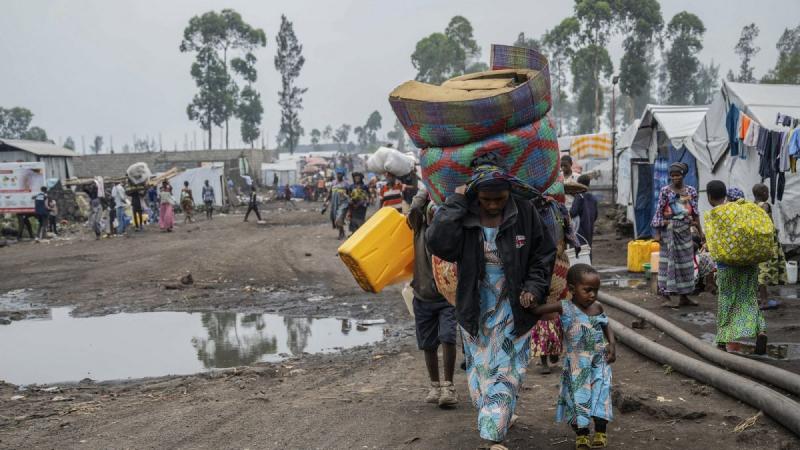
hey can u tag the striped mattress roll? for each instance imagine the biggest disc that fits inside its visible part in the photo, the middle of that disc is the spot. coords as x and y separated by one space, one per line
529 153
457 114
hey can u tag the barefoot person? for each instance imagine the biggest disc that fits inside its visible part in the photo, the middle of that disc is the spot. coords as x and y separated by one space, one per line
772 272
591 346
505 260
738 315
434 318
675 215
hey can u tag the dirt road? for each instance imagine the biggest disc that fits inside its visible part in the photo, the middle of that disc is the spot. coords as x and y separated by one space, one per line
365 397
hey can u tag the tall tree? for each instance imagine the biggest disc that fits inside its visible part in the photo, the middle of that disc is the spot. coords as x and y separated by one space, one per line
361 137
787 68
14 122
342 135
685 31
595 18
209 104
249 110
527 42
289 61
327 133
559 43
69 143
315 137
223 34
640 21
398 134
444 55
97 146
588 65
746 49
372 127
35 134
707 83
437 58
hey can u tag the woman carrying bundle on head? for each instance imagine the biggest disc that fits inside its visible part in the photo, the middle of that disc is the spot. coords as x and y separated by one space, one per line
505 259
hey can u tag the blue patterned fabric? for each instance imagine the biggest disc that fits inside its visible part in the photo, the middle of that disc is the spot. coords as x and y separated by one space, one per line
586 377
497 361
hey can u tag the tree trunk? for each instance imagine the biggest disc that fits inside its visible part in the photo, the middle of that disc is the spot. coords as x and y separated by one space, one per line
226 134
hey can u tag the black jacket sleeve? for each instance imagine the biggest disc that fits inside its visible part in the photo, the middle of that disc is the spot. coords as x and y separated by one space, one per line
541 259
577 206
445 234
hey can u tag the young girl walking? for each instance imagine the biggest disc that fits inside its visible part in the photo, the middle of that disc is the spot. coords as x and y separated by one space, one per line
590 348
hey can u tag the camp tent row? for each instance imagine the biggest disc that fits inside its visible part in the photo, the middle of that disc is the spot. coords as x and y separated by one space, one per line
697 136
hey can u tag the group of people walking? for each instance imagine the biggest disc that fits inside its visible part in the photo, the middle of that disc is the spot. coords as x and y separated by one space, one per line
515 290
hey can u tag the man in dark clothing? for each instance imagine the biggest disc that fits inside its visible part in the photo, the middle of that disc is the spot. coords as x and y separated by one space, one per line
23 224
153 204
434 317
253 204
585 209
136 207
42 213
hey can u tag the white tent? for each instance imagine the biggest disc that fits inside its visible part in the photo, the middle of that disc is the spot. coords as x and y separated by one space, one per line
285 170
197 178
651 136
762 103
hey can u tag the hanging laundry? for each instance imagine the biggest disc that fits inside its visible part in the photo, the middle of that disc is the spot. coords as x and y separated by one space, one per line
744 124
730 125
751 137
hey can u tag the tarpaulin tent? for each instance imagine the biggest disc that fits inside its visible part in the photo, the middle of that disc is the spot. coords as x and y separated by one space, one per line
284 170
762 103
663 135
197 178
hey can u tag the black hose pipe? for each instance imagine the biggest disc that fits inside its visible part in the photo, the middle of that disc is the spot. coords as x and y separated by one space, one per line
775 405
765 372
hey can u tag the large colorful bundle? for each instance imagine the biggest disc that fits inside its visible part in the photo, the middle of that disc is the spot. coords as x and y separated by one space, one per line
529 153
739 234
475 106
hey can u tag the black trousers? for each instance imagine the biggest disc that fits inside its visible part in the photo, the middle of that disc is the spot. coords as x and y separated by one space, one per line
254 208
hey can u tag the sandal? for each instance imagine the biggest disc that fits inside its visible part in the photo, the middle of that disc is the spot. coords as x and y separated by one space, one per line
600 440
582 442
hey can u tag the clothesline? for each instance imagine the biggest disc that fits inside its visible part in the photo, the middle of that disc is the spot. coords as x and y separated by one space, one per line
778 150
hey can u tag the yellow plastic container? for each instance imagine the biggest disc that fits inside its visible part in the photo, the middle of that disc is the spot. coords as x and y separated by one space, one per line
381 252
638 254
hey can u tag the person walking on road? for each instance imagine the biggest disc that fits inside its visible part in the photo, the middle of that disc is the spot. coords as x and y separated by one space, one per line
434 317
42 214
505 258
136 207
153 204
120 199
166 214
208 199
252 205
676 214
187 203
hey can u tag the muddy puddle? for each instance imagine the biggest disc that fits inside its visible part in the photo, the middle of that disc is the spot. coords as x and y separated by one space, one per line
780 351
62 348
637 283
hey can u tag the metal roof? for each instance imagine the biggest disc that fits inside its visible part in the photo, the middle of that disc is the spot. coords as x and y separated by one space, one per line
38 148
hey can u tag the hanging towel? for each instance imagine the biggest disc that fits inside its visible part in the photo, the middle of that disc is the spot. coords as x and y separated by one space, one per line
730 125
751 137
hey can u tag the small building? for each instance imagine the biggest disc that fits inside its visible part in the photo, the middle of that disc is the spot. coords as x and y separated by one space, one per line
57 160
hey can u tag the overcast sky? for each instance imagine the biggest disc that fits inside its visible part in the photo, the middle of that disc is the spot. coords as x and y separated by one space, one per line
109 67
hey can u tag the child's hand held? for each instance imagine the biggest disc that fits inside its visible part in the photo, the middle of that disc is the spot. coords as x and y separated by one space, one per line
526 299
611 353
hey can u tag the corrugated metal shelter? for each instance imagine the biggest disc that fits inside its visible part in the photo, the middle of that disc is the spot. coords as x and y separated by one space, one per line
57 160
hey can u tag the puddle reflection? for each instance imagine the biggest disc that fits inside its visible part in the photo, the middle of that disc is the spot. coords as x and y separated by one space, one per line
62 348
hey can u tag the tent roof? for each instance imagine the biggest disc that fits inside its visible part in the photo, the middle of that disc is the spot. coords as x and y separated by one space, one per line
625 138
38 148
677 122
763 102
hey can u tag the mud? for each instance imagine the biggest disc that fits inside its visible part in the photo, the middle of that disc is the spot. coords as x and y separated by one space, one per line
369 396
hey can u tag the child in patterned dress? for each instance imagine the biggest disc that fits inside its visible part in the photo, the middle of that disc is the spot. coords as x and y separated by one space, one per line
590 348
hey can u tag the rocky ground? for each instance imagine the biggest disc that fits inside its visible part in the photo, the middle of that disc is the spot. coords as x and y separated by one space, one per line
365 397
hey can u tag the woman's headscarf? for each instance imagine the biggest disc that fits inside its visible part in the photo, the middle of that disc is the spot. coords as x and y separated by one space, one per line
679 167
734 194
488 175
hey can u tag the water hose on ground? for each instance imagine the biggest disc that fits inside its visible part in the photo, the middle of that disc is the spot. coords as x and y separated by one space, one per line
775 405
773 375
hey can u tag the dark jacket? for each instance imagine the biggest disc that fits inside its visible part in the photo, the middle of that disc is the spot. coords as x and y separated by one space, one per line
526 249
424 284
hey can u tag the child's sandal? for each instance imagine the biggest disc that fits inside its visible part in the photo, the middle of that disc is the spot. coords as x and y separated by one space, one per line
600 440
582 442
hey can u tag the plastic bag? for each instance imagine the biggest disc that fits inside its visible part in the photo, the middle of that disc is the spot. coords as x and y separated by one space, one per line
138 173
387 159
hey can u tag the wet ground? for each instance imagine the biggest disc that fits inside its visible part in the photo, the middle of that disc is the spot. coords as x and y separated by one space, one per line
281 273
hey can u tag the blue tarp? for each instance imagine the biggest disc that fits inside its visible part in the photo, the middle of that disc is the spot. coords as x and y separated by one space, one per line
651 178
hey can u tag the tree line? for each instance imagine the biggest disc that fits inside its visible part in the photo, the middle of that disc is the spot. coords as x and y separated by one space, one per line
659 62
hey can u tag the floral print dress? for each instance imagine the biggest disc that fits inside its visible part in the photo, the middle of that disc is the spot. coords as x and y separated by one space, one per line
497 360
586 378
